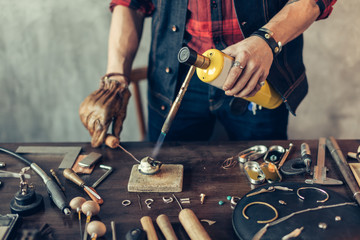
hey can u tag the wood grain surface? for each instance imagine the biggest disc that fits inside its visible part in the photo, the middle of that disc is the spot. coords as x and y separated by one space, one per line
202 174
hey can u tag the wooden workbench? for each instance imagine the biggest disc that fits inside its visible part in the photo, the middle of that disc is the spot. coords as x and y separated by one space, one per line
202 174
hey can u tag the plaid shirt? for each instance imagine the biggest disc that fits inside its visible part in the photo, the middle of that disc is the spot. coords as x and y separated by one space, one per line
211 25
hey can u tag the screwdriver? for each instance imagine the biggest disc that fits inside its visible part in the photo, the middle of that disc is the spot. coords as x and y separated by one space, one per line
72 176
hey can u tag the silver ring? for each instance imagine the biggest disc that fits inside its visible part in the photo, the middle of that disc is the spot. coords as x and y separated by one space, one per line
168 200
126 203
261 83
237 64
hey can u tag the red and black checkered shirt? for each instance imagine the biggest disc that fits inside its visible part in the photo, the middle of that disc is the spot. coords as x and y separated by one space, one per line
211 24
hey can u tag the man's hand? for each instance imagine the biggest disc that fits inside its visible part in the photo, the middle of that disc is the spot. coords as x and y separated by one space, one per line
103 106
254 57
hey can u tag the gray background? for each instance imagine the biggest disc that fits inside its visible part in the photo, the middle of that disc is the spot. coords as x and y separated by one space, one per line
52 54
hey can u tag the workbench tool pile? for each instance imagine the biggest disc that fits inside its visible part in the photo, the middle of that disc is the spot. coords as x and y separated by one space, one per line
282 195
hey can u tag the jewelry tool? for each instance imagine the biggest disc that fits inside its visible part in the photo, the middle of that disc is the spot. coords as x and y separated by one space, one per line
274 154
191 223
53 173
320 169
298 165
72 176
286 154
26 201
106 174
6 174
70 153
96 229
90 159
76 204
89 208
343 167
55 193
165 226
149 228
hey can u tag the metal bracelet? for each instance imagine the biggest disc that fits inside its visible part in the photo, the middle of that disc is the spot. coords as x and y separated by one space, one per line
315 188
261 203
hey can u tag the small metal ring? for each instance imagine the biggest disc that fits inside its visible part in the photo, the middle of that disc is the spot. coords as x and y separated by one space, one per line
126 202
234 201
262 203
148 202
315 188
168 200
355 194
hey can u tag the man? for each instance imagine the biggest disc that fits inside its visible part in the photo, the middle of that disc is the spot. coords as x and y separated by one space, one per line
264 37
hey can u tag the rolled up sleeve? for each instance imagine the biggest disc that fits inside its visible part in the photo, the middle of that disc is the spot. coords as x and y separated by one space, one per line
326 7
144 6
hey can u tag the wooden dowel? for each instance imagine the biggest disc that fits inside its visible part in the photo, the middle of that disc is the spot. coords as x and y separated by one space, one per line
148 227
192 225
165 227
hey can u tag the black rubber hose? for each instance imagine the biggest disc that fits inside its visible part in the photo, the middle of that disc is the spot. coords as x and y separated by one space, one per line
55 193
28 162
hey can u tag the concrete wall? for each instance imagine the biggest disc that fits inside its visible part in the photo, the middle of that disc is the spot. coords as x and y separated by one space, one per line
52 54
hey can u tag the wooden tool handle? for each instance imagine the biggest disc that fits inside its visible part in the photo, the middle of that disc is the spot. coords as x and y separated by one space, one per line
148 227
94 198
111 141
192 225
72 176
165 227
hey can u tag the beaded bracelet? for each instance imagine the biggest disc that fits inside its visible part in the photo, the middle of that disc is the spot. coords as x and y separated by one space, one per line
266 35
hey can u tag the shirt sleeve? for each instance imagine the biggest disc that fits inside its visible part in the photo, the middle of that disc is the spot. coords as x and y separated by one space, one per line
144 6
326 7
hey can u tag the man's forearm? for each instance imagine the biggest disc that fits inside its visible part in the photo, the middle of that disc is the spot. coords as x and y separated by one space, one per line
124 38
295 17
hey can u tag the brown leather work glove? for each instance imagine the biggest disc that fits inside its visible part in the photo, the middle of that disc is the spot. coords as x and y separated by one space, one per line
103 106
